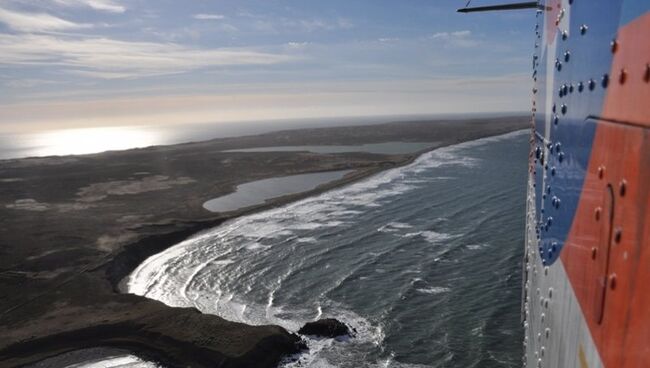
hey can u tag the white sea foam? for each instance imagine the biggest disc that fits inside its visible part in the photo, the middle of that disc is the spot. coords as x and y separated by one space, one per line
476 246
393 227
256 246
308 239
433 290
199 272
125 361
434 237
430 236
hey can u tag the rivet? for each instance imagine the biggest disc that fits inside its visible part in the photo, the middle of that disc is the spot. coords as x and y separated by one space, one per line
565 35
560 157
571 88
581 87
614 46
597 213
558 146
592 84
618 234
622 188
547 332
583 29
556 120
553 108
553 171
605 80
622 77
550 293
601 172
564 109
612 281
646 75
594 252
546 271
567 56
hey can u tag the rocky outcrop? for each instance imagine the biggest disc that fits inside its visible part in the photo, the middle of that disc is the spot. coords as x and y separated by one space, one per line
328 327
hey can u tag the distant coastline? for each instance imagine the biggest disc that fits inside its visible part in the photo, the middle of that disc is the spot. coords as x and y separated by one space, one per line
17 145
69 244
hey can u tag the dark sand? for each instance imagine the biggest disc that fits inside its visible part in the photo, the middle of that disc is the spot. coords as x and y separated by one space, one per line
71 228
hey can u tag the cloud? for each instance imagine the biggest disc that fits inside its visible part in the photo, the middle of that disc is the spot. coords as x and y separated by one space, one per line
456 38
274 101
37 22
29 83
110 59
449 35
102 5
208 16
311 25
297 45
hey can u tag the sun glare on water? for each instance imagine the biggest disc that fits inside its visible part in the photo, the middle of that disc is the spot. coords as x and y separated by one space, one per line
92 140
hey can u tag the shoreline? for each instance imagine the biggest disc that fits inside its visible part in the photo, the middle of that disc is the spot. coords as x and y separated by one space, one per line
135 329
118 278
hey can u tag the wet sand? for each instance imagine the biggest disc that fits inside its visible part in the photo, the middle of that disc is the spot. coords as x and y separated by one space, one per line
72 227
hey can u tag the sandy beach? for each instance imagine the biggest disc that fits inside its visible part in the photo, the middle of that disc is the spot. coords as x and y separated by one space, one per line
73 227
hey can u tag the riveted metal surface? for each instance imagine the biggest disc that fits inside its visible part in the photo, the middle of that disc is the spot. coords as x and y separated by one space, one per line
594 246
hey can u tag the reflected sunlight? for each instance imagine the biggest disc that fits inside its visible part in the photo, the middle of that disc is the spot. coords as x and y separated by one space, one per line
92 140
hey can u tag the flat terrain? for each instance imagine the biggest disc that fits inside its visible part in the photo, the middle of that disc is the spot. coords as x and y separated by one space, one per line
71 228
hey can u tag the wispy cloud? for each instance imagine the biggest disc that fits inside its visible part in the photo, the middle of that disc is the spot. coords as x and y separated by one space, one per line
204 16
277 24
449 35
109 59
311 25
456 38
102 5
37 22
297 45
277 101
28 83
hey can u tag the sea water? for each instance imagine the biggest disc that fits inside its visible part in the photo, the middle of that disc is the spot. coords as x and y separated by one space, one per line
423 261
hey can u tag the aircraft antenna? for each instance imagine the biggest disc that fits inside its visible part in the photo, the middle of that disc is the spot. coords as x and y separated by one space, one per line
510 6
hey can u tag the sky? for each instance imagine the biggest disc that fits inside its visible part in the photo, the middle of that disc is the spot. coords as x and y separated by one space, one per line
88 63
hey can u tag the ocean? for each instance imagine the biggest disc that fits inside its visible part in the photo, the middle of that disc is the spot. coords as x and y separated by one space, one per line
423 261
78 141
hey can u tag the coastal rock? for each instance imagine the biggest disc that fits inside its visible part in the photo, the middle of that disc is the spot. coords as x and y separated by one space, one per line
328 327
